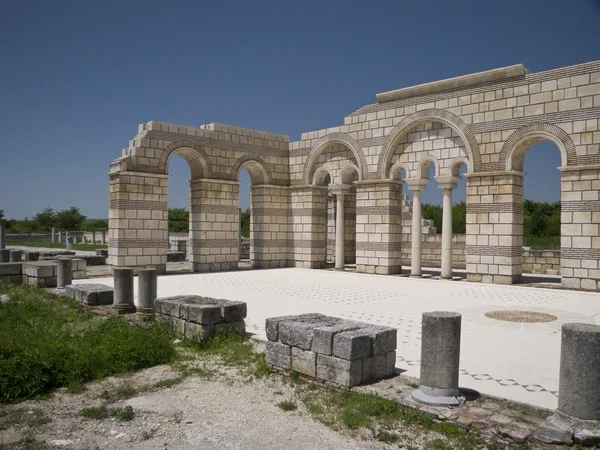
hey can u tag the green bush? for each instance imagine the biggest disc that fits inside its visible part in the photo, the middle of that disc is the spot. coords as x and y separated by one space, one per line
47 342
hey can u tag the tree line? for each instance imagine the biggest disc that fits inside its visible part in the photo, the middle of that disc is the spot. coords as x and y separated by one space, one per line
70 219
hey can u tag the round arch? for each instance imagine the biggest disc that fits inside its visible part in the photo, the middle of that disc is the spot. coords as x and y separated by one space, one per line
518 144
346 173
423 166
256 167
455 165
320 176
193 153
429 115
335 138
397 169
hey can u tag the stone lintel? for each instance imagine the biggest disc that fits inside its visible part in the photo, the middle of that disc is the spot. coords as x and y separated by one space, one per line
494 174
453 83
579 168
213 180
140 174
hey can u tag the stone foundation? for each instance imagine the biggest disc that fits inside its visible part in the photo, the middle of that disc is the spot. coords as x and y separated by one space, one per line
201 318
332 350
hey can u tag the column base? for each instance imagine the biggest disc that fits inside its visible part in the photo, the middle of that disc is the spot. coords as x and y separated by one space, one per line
438 397
561 428
416 275
124 309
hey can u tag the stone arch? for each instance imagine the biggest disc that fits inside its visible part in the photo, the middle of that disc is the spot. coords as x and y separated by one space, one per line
424 164
455 164
193 153
398 168
429 115
335 138
320 176
256 166
346 173
516 146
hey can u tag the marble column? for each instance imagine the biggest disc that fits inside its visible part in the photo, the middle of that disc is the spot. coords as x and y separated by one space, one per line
447 184
339 191
416 186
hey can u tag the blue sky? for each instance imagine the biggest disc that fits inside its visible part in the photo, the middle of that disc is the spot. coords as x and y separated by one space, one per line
78 77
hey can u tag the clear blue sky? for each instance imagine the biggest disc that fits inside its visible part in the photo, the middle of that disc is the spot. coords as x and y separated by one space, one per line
79 76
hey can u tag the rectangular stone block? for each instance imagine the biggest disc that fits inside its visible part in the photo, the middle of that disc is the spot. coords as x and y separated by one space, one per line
300 333
277 347
272 323
232 311
352 345
39 269
304 362
384 339
278 360
223 327
199 313
11 269
339 371
91 294
374 368
323 336
198 332
169 306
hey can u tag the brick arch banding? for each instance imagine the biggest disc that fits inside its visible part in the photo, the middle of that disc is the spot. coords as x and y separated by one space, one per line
257 167
193 153
520 141
323 143
428 115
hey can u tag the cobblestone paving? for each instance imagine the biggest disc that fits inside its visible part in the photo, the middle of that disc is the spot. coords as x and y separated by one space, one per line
518 361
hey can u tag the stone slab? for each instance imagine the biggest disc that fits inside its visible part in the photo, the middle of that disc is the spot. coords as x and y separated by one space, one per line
339 371
11 268
356 344
304 362
92 294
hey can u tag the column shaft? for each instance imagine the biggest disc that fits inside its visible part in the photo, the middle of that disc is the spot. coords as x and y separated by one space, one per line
339 233
415 269
447 234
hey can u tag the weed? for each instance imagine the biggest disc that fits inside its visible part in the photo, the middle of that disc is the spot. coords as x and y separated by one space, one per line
414 385
76 387
288 405
55 336
97 413
121 393
148 434
437 444
125 414
102 412
178 416
27 443
386 437
27 417
168 383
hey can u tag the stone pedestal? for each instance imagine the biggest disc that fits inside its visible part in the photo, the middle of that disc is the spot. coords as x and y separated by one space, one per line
123 295
4 255
147 288
64 272
440 357
15 256
577 418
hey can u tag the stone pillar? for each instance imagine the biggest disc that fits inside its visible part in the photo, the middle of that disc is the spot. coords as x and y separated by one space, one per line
417 186
440 358
495 227
138 220
340 221
15 256
147 288
104 237
60 236
447 184
93 237
308 227
270 206
214 225
53 235
4 255
578 415
379 226
2 236
330 228
64 272
350 226
123 295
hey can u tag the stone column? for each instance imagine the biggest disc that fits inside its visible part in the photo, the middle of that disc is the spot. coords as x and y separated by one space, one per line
447 184
60 236
578 415
123 295
53 235
16 256
93 237
104 237
417 186
2 237
147 288
64 272
340 240
440 357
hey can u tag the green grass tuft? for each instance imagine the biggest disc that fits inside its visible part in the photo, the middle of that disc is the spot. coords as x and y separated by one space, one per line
46 342
288 405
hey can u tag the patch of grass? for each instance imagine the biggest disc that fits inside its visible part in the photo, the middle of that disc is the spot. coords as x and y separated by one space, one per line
102 412
387 437
125 414
76 387
45 344
61 245
542 242
27 443
232 349
288 405
178 416
414 385
168 383
121 393
437 444
26 417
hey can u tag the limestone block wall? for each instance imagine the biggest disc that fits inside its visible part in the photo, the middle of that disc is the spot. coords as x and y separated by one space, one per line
350 227
138 220
331 212
308 227
545 262
431 251
214 225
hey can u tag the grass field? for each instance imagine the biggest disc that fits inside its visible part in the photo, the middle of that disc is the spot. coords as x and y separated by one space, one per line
60 245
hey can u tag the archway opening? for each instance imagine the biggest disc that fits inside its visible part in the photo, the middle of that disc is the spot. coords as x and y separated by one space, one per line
179 217
541 224
349 176
245 216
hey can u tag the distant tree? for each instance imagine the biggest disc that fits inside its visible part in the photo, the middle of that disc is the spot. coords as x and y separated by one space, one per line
70 219
245 223
2 220
46 219
96 225
179 220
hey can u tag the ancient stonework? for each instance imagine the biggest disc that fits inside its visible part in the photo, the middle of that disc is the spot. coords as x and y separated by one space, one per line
337 193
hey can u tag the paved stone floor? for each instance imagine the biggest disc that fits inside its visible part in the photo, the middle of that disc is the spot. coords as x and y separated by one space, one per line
518 361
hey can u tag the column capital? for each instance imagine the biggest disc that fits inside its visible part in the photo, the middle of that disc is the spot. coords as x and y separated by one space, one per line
447 181
339 189
416 184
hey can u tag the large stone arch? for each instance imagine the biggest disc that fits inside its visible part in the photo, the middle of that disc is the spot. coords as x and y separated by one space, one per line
258 169
193 153
335 138
516 146
428 115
